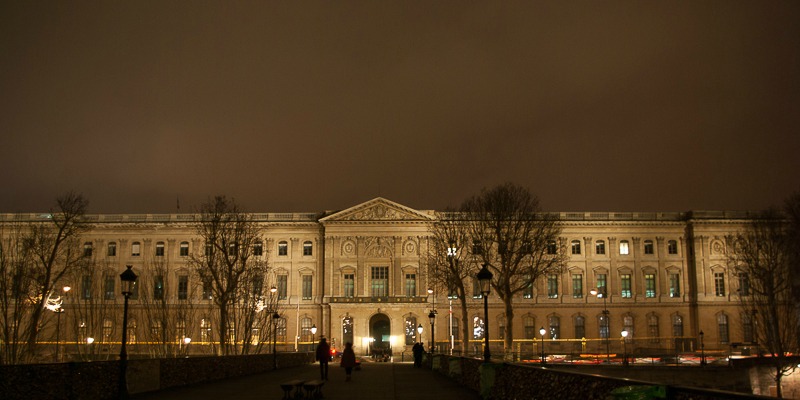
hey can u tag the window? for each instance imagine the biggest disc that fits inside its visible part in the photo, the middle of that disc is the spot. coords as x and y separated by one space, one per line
747 328
87 249
652 328
180 329
307 287
411 330
108 287
347 330
136 249
501 327
160 249
477 328
580 327
649 285
603 325
305 329
233 249
476 247
86 287
411 285
258 285
555 327
648 247
132 331
601 283
674 285
307 248
577 286
527 291
209 250
476 289
719 284
283 248
158 287
207 292
454 329
722 328
184 249
183 287
349 285
380 281
625 283
112 249
672 247
258 248
744 284
623 247
551 247
530 326
576 247
205 330
552 286
600 247
155 330
283 285
627 324
677 326
108 327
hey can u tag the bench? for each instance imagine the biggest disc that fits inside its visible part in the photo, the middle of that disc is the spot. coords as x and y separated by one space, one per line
314 389
287 387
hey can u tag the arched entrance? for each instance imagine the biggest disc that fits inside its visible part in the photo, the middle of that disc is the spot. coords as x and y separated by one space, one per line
379 331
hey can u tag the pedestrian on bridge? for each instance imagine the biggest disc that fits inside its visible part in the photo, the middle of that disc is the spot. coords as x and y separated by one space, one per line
323 356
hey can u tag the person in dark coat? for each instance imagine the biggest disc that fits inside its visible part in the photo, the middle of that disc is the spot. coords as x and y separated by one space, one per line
417 350
323 356
348 360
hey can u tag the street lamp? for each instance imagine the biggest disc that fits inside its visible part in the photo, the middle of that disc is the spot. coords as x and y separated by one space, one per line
313 334
602 294
542 331
128 278
485 280
186 342
275 317
624 347
702 350
432 317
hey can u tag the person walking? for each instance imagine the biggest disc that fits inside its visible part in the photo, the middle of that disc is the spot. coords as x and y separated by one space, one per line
417 350
323 356
348 360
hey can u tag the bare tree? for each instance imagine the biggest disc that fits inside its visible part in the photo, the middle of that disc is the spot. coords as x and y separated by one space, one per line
93 310
511 236
35 255
227 265
451 263
762 253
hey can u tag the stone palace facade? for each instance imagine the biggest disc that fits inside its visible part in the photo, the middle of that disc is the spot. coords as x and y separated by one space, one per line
359 275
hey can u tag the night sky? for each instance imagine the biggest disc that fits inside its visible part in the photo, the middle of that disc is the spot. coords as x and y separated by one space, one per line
310 106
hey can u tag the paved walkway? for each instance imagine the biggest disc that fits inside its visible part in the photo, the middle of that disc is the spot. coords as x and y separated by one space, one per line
375 381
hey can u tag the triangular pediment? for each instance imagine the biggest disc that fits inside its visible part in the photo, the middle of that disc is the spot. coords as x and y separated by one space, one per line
378 209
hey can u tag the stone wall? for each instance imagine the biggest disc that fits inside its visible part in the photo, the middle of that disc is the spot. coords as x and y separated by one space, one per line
99 380
513 381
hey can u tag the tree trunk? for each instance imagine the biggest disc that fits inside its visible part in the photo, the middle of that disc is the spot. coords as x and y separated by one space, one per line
508 337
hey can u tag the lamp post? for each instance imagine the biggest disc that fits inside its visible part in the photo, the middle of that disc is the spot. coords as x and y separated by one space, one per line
602 294
452 251
313 334
624 347
485 280
542 331
128 278
186 342
432 317
58 311
275 317
702 350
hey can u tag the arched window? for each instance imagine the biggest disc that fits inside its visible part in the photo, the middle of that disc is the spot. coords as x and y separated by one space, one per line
677 325
305 329
347 330
280 330
132 331
205 330
108 327
652 328
555 326
580 327
455 330
722 328
411 330
501 327
529 323
603 323
477 327
627 324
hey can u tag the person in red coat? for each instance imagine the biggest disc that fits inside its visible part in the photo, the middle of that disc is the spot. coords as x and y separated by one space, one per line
348 360
323 356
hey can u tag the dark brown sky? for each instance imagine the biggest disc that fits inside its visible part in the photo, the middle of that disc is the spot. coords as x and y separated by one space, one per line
310 106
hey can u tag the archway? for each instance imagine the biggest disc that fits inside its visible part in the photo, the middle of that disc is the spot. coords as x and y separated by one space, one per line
379 331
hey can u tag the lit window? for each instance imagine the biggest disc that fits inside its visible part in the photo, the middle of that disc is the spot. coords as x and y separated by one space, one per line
411 285
555 327
649 285
380 281
603 325
477 328
411 330
625 283
601 283
623 247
